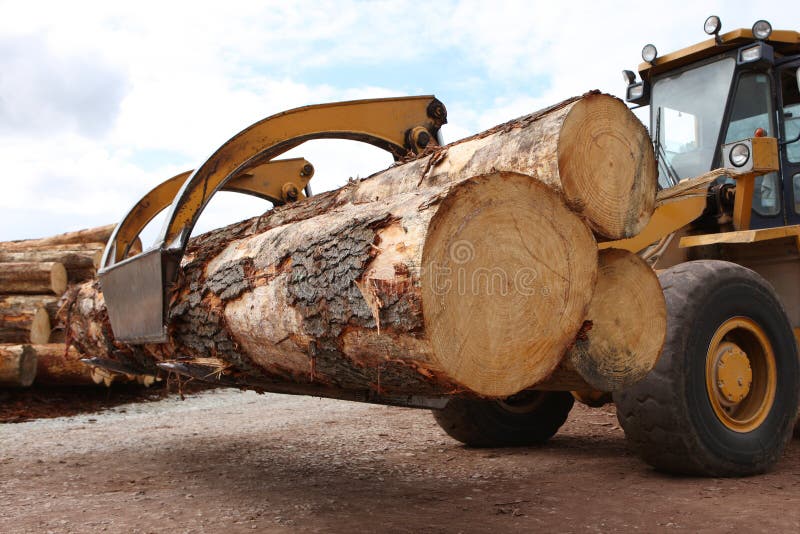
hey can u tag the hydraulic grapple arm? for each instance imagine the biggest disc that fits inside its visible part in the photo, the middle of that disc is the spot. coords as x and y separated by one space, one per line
135 288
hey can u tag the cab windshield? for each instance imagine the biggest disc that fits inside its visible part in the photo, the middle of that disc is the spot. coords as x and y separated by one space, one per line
687 110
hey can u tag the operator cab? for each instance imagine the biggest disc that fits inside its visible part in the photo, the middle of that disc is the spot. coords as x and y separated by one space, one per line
739 85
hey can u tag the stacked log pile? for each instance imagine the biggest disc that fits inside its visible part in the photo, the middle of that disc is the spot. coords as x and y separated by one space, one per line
472 270
34 274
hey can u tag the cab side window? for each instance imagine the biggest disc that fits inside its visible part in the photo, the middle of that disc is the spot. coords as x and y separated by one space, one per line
791 113
752 109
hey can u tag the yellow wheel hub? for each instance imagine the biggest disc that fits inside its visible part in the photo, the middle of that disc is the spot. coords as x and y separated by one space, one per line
733 373
741 374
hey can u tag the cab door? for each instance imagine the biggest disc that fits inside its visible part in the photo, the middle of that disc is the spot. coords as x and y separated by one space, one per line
753 109
789 128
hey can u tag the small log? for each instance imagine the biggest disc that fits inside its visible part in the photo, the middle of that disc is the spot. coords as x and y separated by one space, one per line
24 319
624 332
59 366
80 260
99 234
17 366
33 278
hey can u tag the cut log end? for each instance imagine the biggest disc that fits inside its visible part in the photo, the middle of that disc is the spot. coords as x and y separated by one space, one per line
58 278
17 365
628 324
607 166
509 272
24 319
40 327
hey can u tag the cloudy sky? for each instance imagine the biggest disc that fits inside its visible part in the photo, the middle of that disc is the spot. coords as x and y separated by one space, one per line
101 101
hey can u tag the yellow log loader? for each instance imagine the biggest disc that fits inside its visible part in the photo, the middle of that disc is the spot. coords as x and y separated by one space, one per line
725 122
722 400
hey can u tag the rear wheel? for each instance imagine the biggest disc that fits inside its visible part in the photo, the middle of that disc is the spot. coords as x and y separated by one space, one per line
723 397
528 418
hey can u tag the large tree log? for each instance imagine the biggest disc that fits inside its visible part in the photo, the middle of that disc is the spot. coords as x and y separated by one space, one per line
32 278
592 150
80 260
419 279
17 366
23 320
477 286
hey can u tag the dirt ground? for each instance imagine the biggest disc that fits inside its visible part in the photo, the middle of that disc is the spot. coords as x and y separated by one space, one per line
225 460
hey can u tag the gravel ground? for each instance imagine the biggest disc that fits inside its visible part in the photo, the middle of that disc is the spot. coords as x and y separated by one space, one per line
225 460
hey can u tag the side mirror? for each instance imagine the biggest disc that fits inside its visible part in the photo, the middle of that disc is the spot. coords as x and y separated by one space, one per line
798 78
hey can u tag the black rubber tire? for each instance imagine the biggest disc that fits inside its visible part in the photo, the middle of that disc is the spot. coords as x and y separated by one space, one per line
487 423
668 417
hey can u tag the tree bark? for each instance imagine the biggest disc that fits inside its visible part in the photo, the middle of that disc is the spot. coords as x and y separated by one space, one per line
446 274
17 366
32 278
59 366
23 319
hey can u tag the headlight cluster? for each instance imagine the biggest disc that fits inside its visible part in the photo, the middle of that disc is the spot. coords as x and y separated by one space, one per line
762 29
649 53
739 155
712 25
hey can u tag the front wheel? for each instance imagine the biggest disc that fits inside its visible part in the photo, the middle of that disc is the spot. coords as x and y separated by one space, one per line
723 398
527 418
